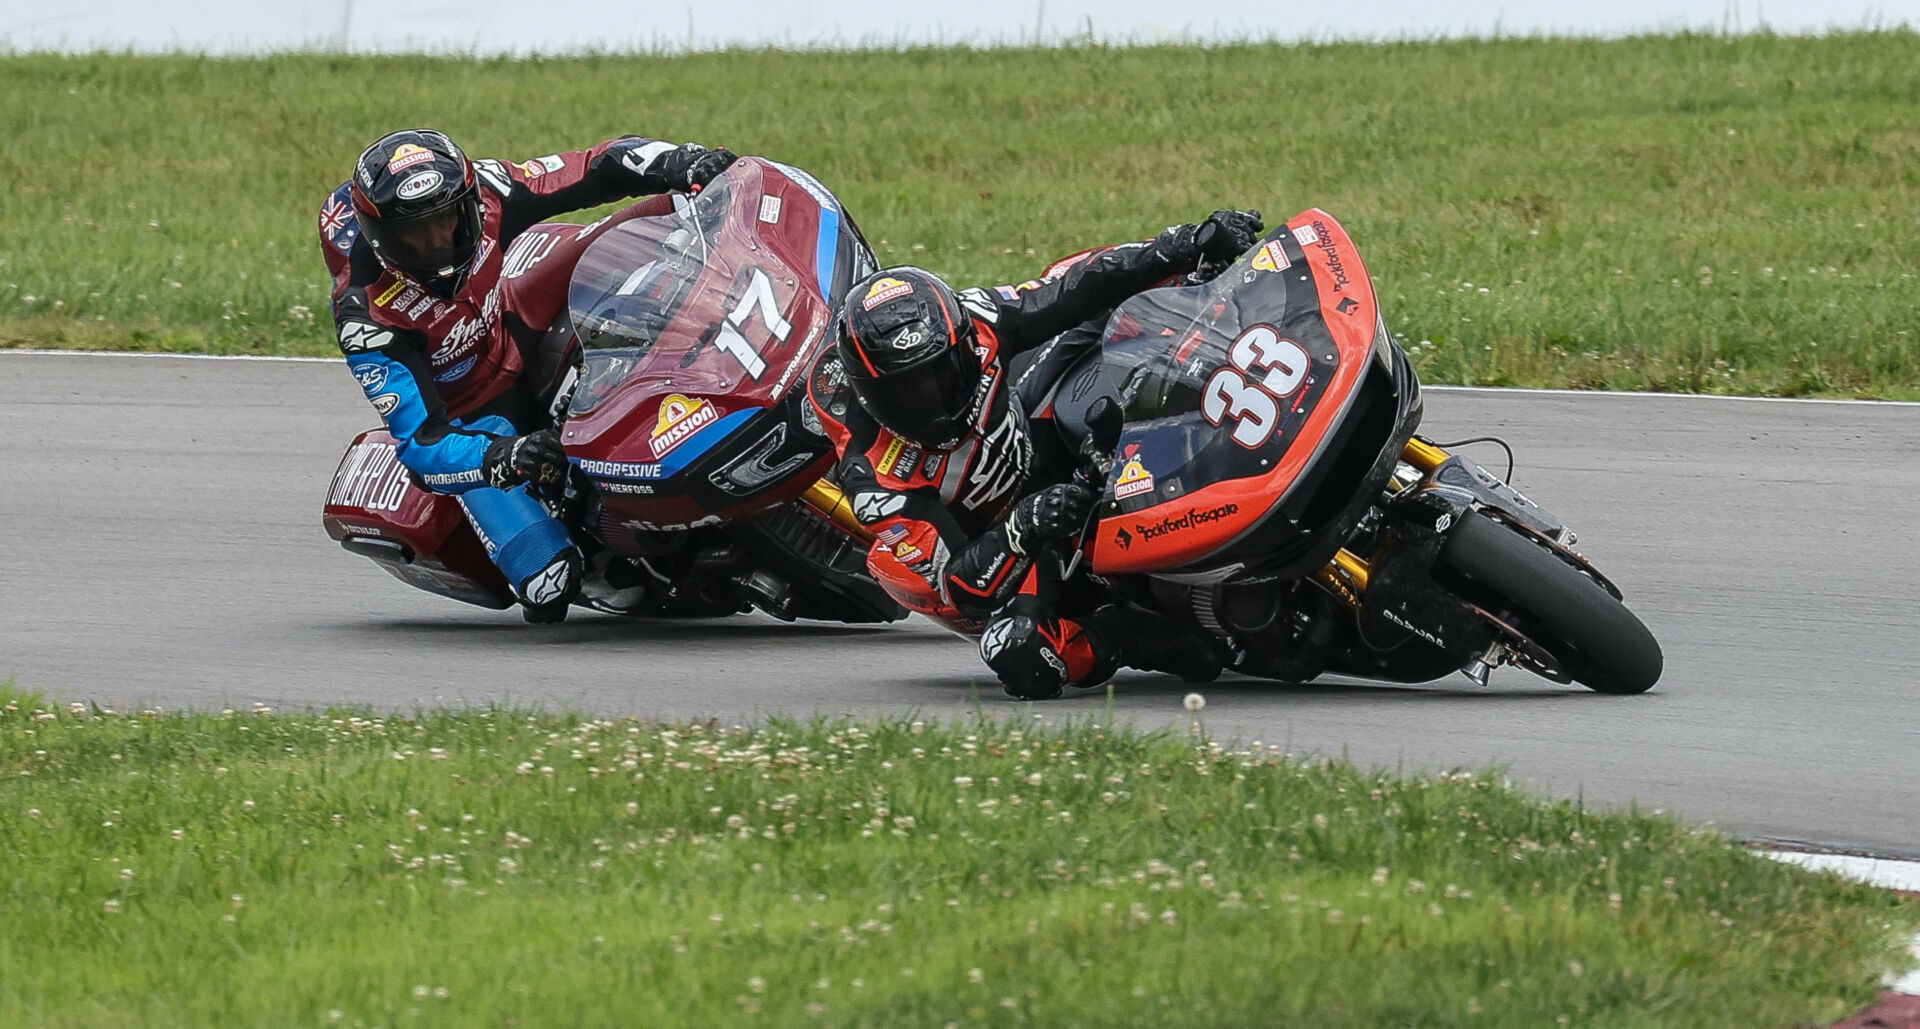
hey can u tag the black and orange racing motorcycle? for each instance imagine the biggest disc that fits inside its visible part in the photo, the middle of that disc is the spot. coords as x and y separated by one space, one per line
1255 434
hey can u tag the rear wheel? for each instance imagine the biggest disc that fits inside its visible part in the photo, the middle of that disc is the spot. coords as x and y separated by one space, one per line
1589 633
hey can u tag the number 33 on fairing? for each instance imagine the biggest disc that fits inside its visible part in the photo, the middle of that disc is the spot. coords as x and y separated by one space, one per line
1281 365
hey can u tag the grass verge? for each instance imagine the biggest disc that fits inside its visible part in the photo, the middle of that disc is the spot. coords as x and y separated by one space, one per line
507 868
1687 213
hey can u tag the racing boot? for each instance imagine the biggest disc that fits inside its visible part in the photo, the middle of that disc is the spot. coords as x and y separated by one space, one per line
546 594
1153 642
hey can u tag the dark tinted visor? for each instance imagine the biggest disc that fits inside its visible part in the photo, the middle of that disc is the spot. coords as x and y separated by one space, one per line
435 243
427 239
930 403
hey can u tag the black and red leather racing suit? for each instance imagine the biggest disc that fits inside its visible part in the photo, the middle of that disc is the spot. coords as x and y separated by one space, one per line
939 517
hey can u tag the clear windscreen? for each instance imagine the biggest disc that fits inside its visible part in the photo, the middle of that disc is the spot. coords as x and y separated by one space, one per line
646 297
1216 379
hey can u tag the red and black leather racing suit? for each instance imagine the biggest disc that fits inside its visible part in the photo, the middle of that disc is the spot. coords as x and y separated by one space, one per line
939 518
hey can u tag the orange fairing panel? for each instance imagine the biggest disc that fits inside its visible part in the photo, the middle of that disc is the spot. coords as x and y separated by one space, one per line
1254 371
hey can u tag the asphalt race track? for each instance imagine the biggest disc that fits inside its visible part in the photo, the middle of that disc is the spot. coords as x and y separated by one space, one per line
160 543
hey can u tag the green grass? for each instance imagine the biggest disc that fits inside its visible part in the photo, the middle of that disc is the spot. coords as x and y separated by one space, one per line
506 868
1687 213
1683 213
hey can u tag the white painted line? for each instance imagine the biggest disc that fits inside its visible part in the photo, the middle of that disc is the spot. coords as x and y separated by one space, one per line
159 353
1495 390
1893 875
1517 390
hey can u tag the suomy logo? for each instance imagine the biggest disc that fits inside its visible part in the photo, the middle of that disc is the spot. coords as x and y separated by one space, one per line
1181 523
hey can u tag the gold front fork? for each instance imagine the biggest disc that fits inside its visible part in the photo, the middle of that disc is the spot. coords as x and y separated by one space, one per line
833 505
1347 574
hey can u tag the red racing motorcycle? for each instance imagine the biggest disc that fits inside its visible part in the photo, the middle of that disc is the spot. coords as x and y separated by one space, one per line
699 485
1255 435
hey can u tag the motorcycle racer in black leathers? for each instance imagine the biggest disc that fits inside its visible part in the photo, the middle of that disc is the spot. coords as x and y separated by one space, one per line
926 402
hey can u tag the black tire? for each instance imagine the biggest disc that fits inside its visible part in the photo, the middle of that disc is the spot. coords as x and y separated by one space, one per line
1593 636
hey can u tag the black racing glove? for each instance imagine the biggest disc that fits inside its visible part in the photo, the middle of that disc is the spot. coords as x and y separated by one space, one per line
1224 236
688 168
536 458
1054 513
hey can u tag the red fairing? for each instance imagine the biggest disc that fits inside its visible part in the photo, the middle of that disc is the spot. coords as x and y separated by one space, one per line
747 322
372 498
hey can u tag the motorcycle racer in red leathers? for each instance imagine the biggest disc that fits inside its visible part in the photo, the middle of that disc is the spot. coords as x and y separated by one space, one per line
931 403
444 288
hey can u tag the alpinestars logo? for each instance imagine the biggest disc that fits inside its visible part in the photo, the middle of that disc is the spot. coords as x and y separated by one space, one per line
360 337
872 506
996 638
547 586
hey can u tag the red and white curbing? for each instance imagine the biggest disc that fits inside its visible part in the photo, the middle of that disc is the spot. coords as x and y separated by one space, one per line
1899 1007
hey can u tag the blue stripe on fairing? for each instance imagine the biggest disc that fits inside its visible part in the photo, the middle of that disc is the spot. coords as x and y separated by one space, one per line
692 447
700 442
824 250
827 243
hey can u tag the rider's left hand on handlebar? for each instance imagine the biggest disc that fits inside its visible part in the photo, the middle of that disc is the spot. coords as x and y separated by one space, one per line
1232 233
689 167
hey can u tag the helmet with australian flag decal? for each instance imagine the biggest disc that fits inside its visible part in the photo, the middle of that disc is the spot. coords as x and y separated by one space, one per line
417 201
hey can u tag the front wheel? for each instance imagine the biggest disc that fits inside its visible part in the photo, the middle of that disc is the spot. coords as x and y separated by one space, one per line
1592 636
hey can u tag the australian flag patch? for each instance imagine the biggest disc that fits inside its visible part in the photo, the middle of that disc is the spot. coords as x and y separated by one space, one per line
337 223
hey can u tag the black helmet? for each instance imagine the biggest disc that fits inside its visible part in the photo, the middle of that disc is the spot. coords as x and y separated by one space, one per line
418 204
908 348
